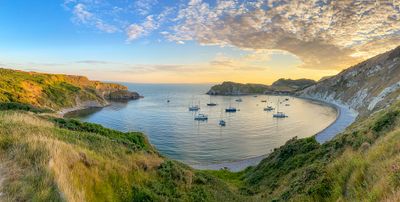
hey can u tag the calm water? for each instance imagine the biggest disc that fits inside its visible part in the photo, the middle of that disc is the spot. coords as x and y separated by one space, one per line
248 133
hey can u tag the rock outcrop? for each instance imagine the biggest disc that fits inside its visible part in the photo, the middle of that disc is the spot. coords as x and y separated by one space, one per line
122 95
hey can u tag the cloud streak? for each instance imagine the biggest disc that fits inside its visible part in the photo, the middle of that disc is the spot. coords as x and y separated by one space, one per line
323 34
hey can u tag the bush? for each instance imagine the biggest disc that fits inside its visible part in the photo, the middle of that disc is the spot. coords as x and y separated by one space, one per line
22 107
135 140
385 121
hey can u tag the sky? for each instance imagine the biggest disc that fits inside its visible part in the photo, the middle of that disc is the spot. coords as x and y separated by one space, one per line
195 41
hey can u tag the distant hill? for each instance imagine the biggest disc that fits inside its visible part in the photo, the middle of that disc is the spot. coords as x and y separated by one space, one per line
366 87
279 86
58 92
232 88
291 85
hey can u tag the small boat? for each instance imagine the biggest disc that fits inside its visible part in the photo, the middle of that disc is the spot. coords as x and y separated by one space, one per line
231 109
287 105
211 104
279 115
239 100
263 100
255 96
201 117
168 100
222 123
194 108
268 108
286 99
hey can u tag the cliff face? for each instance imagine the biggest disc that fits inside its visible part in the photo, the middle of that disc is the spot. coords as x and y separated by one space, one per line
366 87
58 92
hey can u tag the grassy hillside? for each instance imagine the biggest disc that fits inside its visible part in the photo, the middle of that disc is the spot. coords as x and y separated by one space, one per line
292 85
232 88
49 159
361 164
51 91
43 158
65 160
281 85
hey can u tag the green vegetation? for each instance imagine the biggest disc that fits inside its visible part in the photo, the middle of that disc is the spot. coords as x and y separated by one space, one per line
23 107
43 158
50 91
231 88
66 160
350 167
57 159
281 85
292 85
135 140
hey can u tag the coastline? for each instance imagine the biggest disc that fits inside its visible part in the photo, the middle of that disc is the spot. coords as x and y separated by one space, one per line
344 118
83 106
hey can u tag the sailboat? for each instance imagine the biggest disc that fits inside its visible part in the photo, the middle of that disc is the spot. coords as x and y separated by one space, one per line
222 121
168 100
268 108
211 104
194 107
230 108
279 114
201 117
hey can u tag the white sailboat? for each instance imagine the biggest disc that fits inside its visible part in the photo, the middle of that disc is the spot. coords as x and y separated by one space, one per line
194 107
279 114
268 107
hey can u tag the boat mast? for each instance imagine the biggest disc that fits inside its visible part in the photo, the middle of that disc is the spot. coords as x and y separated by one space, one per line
277 107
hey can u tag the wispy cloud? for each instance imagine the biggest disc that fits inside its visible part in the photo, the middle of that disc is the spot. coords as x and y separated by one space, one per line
144 7
82 15
323 34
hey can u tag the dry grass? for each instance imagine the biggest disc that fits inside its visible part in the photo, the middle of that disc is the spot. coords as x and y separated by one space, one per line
78 173
370 174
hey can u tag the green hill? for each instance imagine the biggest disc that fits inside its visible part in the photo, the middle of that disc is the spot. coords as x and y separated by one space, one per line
48 159
43 158
279 86
55 91
52 159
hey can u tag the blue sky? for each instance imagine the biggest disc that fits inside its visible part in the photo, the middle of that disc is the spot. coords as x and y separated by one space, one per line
193 41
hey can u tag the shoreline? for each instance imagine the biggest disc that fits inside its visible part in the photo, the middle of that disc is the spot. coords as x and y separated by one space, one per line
344 118
81 107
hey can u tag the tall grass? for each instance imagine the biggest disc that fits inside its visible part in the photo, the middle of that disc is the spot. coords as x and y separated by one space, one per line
47 161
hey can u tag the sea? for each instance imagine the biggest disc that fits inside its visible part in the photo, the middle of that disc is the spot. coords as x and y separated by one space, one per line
163 116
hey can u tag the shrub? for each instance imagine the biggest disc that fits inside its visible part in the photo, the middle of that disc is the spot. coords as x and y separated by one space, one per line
22 107
135 140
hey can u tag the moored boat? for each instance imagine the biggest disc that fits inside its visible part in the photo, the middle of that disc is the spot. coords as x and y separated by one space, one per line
201 117
230 109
